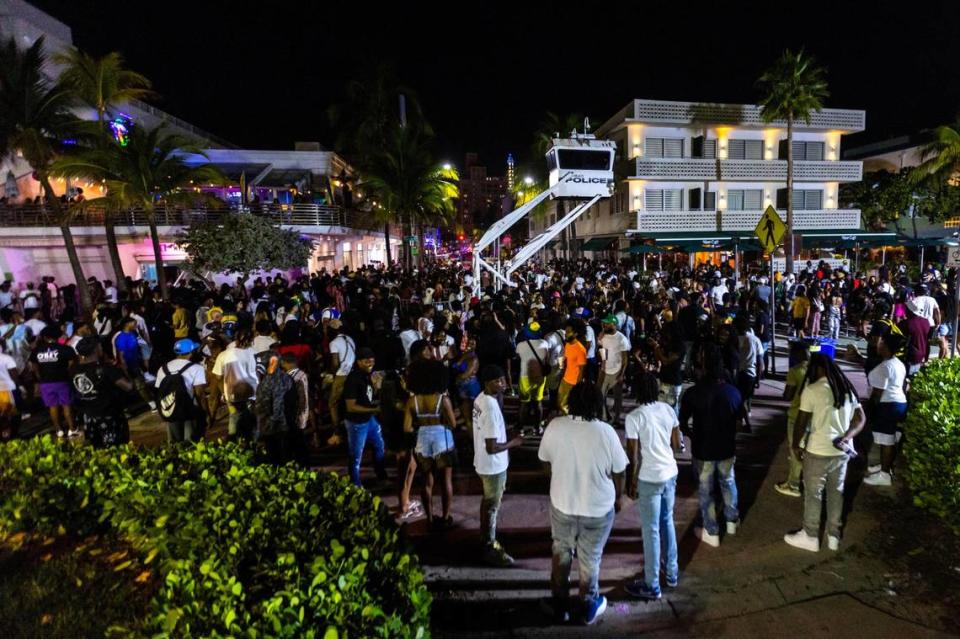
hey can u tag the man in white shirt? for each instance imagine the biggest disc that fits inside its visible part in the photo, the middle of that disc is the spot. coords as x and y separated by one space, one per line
6 297
587 465
29 298
717 292
491 459
926 306
343 353
195 381
829 431
751 363
34 323
653 428
534 354
236 370
615 354
407 338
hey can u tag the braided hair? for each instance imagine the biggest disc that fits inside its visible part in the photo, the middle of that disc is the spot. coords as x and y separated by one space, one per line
843 391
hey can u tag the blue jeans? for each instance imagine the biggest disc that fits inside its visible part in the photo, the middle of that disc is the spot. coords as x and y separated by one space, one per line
656 519
723 469
585 535
357 435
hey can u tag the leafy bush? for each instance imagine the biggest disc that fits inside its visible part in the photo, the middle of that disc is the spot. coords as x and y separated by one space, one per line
241 549
932 445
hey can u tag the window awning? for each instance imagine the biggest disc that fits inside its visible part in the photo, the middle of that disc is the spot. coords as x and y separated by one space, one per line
598 243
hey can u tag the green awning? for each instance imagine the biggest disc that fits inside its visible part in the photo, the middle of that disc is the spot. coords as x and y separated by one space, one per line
598 244
644 248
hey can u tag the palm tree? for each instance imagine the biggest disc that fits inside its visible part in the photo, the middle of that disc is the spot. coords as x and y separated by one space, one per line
941 156
404 178
36 116
102 84
149 172
793 88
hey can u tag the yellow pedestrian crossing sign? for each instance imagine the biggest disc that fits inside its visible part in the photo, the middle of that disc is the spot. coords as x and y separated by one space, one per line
770 229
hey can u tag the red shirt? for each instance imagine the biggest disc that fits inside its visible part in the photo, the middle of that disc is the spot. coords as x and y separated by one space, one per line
916 329
302 352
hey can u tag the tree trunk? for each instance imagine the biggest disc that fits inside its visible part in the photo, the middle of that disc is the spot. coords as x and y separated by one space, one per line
386 243
407 232
157 255
789 242
86 303
114 251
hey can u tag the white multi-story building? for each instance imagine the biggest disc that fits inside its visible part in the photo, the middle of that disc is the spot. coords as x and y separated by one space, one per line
691 171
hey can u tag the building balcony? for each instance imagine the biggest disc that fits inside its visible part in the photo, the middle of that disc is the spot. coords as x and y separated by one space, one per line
661 112
700 170
716 221
92 215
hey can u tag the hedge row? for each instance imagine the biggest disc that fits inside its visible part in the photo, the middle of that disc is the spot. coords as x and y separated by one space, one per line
240 549
932 444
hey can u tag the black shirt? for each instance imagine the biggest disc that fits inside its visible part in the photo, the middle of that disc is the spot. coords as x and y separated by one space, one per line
54 362
672 373
714 408
359 388
96 389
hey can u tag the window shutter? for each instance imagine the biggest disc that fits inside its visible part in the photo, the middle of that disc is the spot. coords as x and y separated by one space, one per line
710 149
814 151
753 149
653 200
673 148
813 200
710 201
694 199
673 200
653 148
799 151
736 149
735 200
752 200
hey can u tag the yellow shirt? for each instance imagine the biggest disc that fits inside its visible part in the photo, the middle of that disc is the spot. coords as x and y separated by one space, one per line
800 307
180 326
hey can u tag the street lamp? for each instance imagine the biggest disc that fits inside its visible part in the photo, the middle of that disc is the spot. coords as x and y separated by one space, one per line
447 166
528 181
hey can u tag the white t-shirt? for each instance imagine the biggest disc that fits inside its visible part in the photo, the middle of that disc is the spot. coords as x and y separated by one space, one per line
926 305
526 350
652 425
407 338
592 338
889 376
555 344
110 293
236 365
717 293
346 350
194 376
30 299
263 342
6 364
583 456
579 282
615 345
488 424
35 326
750 349
6 299
425 326
827 423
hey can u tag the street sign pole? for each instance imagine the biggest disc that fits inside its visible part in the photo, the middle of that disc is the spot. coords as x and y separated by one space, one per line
770 230
773 318
953 261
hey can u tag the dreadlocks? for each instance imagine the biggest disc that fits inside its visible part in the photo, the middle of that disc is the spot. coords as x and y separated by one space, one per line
843 391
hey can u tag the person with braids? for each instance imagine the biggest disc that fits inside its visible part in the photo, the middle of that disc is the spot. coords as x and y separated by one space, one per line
652 482
830 416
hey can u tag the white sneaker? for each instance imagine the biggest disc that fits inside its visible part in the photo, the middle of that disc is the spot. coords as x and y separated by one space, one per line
802 540
61 433
707 538
833 543
873 468
732 527
878 478
153 406
73 433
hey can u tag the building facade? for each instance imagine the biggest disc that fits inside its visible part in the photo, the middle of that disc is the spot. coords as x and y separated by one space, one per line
481 196
704 170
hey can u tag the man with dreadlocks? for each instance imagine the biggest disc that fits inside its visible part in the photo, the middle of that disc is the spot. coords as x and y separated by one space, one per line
830 416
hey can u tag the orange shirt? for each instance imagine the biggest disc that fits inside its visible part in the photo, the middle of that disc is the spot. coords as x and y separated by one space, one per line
575 355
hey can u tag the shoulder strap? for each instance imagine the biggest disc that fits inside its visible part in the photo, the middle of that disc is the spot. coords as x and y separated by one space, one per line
534 351
436 411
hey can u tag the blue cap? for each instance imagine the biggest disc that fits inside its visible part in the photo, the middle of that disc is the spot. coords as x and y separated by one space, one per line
185 346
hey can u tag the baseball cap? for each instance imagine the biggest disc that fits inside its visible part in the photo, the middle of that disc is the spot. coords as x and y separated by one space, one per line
609 319
185 346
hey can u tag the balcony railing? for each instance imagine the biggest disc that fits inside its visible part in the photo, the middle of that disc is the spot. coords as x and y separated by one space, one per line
93 215
713 221
701 113
700 169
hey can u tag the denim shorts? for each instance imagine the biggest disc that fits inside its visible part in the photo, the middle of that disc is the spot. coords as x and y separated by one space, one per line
435 447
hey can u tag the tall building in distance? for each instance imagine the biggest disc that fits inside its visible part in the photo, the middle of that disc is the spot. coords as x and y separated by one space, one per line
481 195
510 173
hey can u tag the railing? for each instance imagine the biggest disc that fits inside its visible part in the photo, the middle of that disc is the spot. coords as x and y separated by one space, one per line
690 113
93 215
713 221
699 169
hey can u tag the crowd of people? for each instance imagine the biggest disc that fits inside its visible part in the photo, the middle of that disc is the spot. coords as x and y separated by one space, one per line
418 366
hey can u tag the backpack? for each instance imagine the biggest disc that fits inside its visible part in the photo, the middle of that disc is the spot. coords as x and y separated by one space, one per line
174 403
537 370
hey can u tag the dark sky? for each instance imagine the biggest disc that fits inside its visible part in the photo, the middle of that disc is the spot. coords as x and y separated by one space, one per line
261 74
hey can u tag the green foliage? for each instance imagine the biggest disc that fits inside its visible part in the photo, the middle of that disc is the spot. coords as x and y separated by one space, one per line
241 549
881 196
243 243
793 88
941 157
932 442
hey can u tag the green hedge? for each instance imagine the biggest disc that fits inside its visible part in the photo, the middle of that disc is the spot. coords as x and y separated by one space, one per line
932 444
240 549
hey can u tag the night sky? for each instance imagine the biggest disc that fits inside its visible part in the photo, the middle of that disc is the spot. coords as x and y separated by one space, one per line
261 74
